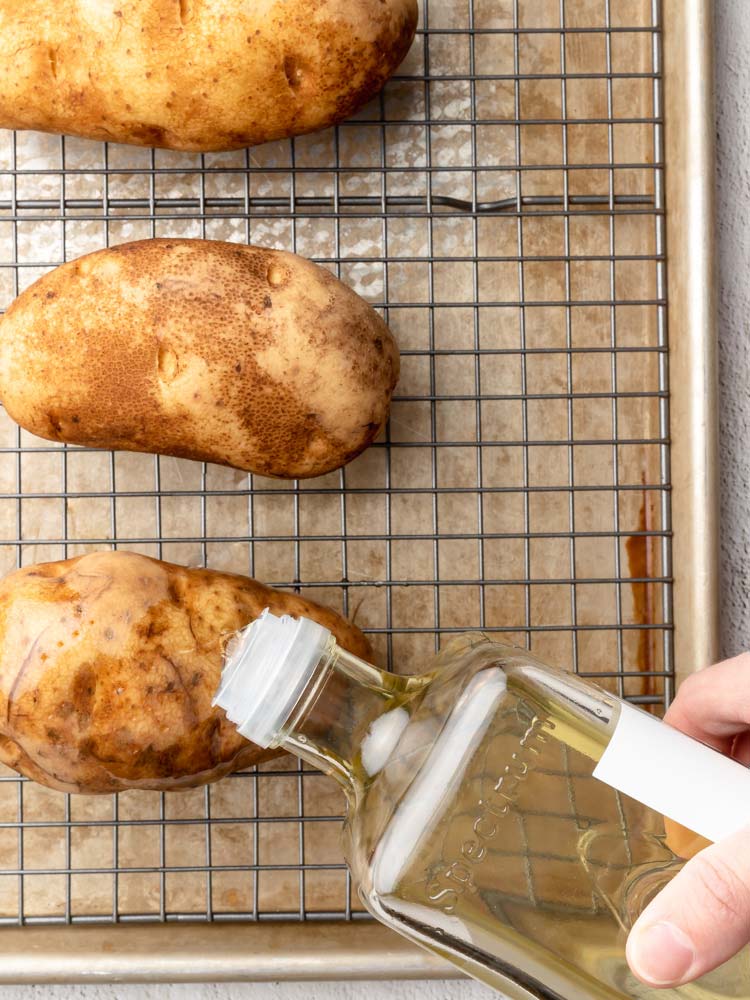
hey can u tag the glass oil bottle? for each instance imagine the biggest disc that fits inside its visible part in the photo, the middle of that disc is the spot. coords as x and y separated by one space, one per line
503 814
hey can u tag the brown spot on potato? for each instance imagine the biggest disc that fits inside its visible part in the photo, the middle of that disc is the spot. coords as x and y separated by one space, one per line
293 71
83 690
145 134
185 11
52 57
153 624
157 763
55 426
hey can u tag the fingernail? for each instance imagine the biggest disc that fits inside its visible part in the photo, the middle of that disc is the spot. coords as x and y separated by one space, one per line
660 954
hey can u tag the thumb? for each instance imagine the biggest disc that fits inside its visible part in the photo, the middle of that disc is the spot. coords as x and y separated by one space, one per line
699 920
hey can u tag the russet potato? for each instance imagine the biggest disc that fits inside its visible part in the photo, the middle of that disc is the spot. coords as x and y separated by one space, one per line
195 74
109 663
220 352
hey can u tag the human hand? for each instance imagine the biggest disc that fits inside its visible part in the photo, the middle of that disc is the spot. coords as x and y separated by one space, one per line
702 917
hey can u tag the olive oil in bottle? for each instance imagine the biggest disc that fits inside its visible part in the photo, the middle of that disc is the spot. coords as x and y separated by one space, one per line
505 815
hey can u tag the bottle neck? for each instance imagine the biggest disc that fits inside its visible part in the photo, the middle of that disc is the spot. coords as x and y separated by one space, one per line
349 717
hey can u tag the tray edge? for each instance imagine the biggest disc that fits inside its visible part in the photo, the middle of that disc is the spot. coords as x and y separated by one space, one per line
691 279
235 952
219 952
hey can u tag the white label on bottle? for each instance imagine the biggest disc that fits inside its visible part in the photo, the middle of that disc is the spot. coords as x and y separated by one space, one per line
676 776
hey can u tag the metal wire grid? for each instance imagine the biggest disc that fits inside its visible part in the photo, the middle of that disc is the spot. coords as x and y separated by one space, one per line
432 495
561 817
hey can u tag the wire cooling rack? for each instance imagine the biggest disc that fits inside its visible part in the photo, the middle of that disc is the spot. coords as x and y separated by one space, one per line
502 203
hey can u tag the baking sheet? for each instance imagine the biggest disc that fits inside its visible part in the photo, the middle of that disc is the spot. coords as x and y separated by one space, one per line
503 204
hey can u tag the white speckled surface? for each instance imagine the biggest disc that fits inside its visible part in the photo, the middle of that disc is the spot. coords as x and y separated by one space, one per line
258 991
733 128
733 87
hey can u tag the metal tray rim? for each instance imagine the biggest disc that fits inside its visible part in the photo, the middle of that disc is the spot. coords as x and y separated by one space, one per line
188 952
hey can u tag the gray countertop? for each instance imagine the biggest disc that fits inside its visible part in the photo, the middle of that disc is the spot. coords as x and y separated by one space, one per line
733 130
452 990
733 127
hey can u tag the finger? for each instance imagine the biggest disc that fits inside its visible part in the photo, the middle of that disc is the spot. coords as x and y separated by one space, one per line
741 748
699 920
713 705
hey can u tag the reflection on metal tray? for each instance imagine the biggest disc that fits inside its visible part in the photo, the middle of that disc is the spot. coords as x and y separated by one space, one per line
504 203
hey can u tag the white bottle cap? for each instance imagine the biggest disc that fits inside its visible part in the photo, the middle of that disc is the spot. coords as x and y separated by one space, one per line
268 666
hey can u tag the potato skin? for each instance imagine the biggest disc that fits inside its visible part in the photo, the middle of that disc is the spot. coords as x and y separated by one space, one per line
219 352
109 662
195 74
